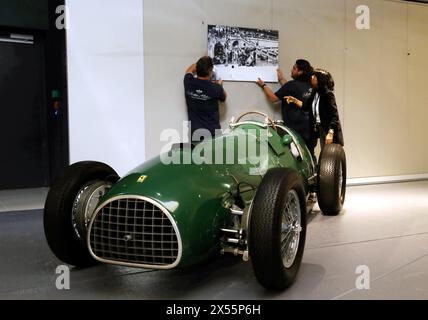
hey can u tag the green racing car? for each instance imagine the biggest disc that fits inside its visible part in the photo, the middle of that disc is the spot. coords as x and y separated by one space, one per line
200 200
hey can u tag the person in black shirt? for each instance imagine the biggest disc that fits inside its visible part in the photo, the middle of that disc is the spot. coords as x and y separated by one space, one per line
293 117
324 116
203 96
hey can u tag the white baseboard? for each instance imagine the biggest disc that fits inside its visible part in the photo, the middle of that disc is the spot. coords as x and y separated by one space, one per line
386 179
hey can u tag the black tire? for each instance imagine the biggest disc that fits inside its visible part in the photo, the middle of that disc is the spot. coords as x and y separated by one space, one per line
332 179
59 231
266 225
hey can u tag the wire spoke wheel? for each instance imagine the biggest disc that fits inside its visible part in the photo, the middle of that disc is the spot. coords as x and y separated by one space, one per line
278 228
291 228
84 205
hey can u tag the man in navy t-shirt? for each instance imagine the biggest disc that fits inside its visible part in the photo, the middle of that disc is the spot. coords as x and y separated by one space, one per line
293 116
203 96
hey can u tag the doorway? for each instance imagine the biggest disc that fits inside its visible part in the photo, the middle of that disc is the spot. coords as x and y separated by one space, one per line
24 160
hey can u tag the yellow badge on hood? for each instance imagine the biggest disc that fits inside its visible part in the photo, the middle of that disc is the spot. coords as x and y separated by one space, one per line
141 179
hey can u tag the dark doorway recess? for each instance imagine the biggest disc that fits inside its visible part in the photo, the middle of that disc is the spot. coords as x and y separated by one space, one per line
33 94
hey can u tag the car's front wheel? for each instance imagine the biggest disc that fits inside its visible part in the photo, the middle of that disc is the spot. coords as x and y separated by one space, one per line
278 228
71 201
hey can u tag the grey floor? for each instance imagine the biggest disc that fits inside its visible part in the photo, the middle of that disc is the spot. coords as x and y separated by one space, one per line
383 227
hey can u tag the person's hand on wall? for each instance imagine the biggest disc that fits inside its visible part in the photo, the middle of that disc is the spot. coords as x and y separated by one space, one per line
260 83
329 137
220 82
281 78
191 69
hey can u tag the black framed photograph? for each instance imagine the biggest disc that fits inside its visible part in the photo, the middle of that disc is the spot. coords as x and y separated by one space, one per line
243 54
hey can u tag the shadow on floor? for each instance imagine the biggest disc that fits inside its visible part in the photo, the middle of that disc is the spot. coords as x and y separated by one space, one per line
27 271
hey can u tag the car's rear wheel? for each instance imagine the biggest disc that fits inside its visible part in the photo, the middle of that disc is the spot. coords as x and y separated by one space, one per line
278 228
332 179
70 203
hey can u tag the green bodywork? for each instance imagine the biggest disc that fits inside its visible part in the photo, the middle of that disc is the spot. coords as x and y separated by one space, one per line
199 196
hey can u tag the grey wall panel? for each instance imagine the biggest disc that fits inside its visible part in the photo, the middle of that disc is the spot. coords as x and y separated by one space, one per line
238 12
416 109
172 41
362 99
393 92
375 68
379 88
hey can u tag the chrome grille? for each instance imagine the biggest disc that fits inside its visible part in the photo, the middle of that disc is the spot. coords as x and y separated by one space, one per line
136 232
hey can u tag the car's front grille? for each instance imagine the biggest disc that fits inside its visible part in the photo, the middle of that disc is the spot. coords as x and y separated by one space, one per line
134 231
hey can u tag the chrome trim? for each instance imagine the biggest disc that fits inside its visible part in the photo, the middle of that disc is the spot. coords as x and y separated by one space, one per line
237 124
313 178
18 38
230 231
237 212
7 40
246 219
267 120
24 37
136 265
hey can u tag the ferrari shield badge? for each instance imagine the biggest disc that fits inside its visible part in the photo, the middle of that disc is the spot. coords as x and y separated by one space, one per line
141 179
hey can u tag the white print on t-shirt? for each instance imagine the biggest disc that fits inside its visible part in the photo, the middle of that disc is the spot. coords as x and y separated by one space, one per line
198 95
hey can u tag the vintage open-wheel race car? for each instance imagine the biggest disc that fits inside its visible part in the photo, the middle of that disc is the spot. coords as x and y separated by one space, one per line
167 213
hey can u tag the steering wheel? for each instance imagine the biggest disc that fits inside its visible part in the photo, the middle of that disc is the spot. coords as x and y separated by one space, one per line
267 119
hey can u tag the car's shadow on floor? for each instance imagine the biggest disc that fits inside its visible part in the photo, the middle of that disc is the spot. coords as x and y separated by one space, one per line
226 277
29 272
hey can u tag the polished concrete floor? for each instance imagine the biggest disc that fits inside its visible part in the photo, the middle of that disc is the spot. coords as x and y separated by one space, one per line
384 228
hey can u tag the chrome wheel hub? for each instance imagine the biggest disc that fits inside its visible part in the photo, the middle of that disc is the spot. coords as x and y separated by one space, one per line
84 205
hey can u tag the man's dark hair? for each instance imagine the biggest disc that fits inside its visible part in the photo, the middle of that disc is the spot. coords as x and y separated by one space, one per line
325 80
204 66
306 68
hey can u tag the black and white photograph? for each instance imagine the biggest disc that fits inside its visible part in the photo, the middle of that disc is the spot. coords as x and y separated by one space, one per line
243 54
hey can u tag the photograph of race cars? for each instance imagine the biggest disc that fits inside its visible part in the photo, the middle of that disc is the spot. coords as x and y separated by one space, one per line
243 54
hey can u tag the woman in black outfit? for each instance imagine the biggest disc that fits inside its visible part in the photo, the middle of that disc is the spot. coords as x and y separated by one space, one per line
324 117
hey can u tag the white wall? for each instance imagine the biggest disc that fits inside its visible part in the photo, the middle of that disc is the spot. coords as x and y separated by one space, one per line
380 73
106 82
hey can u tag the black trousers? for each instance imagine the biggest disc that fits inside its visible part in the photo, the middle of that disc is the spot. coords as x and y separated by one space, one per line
320 134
